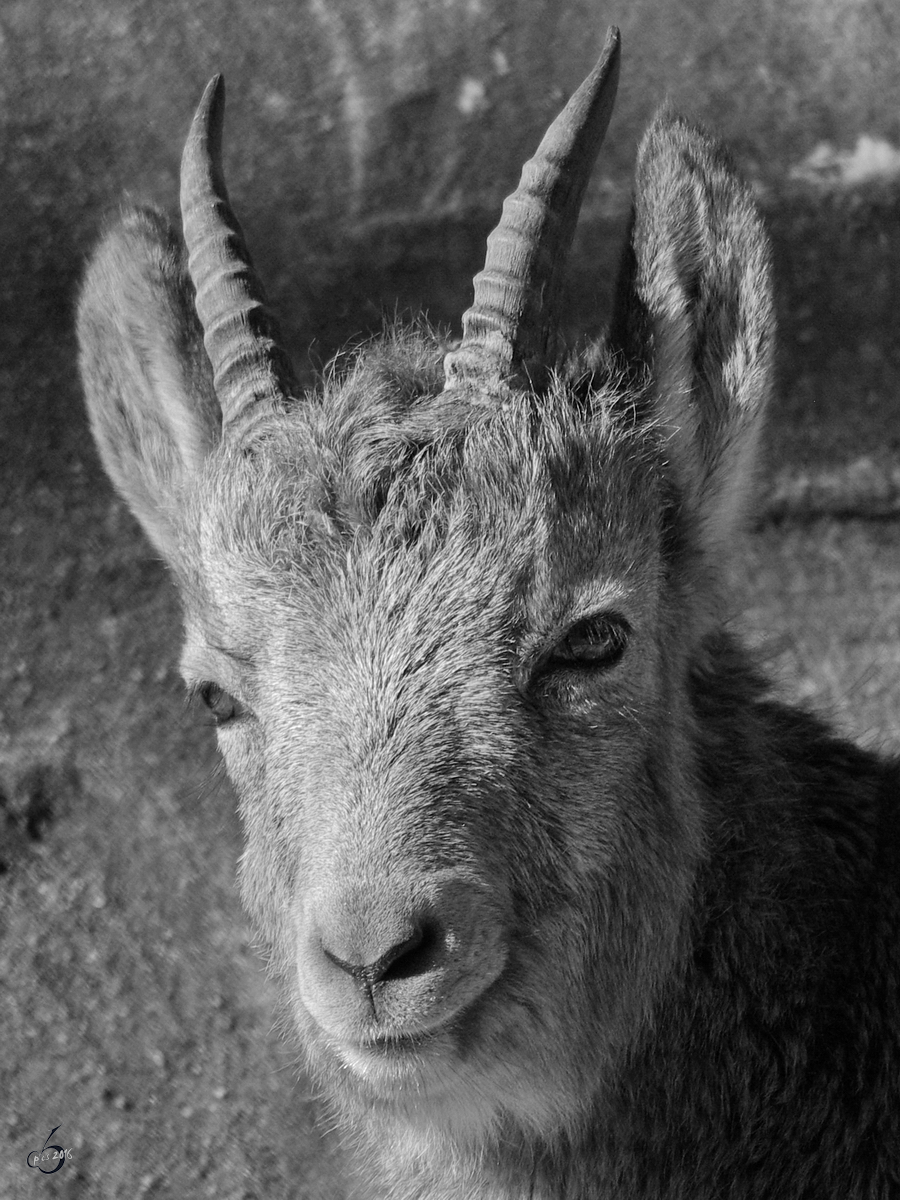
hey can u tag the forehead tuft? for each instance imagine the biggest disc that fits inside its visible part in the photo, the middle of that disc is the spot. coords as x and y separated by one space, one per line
381 455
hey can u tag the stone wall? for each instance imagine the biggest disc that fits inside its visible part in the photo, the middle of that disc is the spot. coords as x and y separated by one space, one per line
366 137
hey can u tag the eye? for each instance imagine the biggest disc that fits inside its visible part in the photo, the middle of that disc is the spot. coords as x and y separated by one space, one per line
593 644
222 705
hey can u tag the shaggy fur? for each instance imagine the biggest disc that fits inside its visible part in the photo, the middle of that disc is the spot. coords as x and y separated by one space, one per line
475 691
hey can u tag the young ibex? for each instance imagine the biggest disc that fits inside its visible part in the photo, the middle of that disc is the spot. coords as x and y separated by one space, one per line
563 903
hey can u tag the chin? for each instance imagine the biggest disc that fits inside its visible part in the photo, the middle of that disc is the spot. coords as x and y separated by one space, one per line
454 1093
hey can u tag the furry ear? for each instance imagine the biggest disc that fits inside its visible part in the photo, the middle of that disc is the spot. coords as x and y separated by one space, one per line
147 380
695 306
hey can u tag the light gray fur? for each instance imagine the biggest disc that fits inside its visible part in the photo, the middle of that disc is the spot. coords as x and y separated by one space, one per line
633 895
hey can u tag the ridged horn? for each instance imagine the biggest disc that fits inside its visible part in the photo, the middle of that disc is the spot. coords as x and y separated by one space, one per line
252 374
509 333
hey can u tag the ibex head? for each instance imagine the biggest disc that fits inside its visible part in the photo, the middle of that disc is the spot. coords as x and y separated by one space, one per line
444 610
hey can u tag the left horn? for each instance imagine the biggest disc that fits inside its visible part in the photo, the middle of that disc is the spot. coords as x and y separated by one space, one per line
509 333
252 374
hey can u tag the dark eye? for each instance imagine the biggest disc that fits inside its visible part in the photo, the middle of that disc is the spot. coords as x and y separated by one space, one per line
221 704
594 643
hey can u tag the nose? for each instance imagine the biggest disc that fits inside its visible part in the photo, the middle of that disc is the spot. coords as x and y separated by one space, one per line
390 959
412 955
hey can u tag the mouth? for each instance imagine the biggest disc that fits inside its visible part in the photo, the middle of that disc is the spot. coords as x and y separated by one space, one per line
392 1064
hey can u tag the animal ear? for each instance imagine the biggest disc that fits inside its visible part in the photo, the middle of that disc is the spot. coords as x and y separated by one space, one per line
694 306
147 380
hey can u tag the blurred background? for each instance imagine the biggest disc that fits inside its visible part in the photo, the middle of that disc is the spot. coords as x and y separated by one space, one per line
369 144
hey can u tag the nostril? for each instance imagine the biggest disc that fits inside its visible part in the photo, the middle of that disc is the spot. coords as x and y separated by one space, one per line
412 956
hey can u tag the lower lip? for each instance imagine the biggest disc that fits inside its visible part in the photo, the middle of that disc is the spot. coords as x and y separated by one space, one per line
393 1064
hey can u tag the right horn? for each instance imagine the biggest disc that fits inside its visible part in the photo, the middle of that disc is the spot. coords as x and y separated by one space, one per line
509 333
252 374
